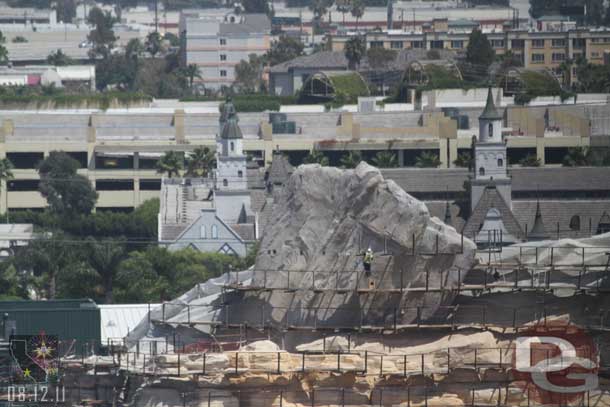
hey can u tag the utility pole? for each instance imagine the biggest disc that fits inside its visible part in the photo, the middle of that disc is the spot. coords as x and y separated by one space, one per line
156 16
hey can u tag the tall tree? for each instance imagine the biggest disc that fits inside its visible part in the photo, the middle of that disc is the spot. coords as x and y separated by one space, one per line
319 9
170 163
6 173
154 43
200 162
343 6
58 58
357 10
104 258
3 50
284 49
67 192
101 36
354 51
479 50
248 74
192 71
385 159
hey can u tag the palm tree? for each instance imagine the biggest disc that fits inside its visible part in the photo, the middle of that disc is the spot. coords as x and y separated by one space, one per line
154 43
576 157
6 173
357 10
351 159
566 72
385 159
343 6
191 72
530 161
427 159
463 160
316 157
171 163
354 51
200 161
104 258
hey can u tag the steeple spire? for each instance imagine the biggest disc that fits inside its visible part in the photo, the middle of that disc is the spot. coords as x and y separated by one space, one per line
538 231
490 112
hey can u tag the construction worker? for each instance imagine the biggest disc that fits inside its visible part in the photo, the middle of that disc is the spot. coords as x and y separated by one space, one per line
368 260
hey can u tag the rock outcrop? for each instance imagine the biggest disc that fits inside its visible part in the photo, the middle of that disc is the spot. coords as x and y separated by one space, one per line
311 257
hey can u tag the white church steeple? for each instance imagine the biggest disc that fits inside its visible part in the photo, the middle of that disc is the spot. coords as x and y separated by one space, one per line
231 162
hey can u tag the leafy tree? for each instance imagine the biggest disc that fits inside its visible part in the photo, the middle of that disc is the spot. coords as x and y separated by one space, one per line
3 50
577 157
158 274
170 163
13 284
284 49
464 160
380 58
66 10
173 39
154 43
479 50
134 49
351 159
101 36
47 257
104 258
354 50
248 74
357 10
592 77
316 157
67 192
427 159
200 162
385 159
530 161
58 58
6 173
256 6
20 39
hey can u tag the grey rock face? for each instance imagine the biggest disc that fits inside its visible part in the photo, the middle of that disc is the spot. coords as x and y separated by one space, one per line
310 259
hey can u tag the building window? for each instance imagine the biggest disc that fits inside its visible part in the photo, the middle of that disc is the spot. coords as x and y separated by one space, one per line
579 43
232 146
559 57
438 44
490 130
214 232
481 171
537 58
537 43
225 183
223 41
396 44
223 57
202 232
223 73
595 55
519 44
240 174
500 162
575 222
376 44
457 44
558 42
497 43
417 44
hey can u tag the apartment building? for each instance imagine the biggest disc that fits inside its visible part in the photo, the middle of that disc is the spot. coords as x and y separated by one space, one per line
216 41
556 41
118 149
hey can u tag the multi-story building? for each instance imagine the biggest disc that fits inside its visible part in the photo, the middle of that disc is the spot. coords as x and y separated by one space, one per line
118 149
217 41
557 41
